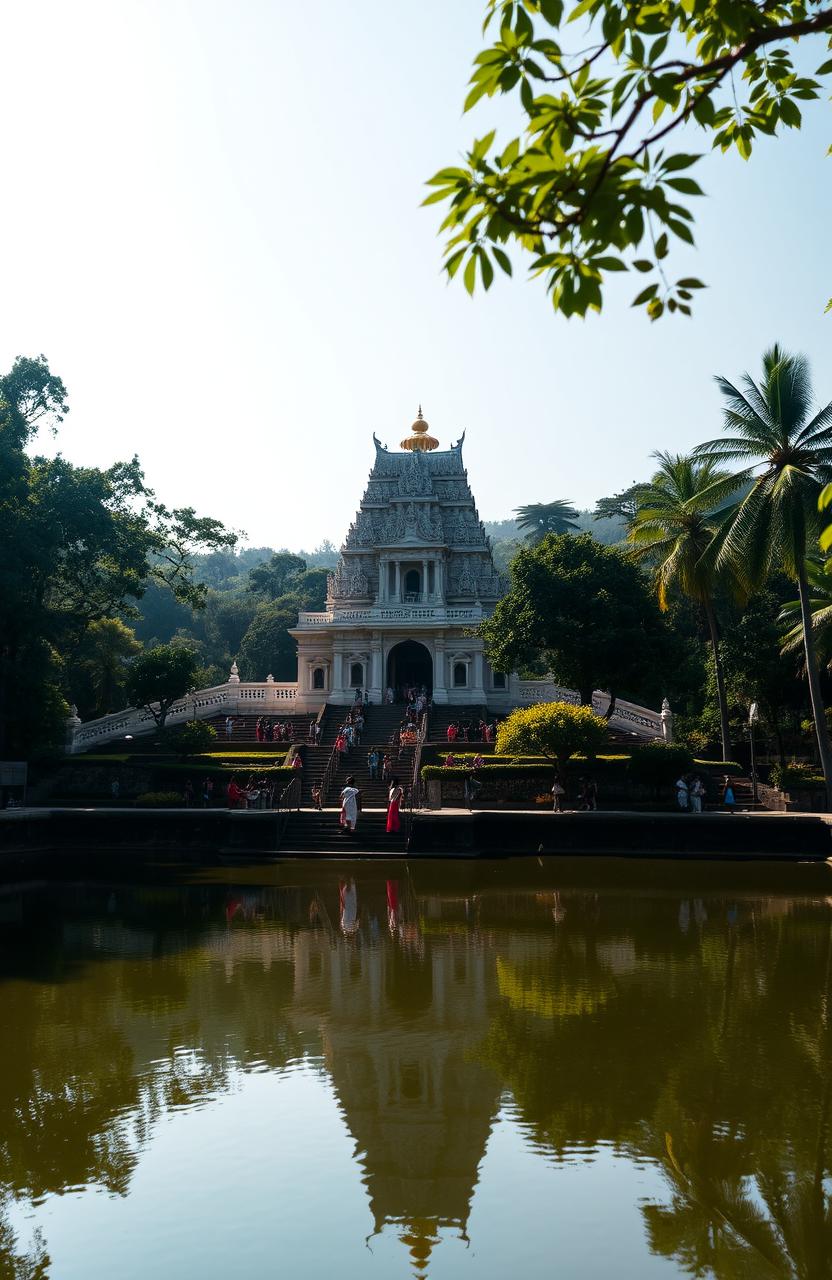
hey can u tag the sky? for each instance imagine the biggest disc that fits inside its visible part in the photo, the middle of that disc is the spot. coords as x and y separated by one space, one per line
212 227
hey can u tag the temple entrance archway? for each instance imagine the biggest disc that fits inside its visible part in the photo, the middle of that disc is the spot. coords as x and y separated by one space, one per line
409 663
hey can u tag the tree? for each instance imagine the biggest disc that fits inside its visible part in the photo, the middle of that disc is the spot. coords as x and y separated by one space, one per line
556 730
546 517
79 545
267 647
621 506
159 677
820 611
790 455
100 665
275 578
588 612
594 185
679 521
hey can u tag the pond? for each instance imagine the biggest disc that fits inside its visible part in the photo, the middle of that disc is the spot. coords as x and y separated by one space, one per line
537 1067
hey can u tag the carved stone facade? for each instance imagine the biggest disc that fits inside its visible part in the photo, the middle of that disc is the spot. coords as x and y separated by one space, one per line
414 577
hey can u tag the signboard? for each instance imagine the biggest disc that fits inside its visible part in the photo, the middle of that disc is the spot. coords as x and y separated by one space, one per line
13 773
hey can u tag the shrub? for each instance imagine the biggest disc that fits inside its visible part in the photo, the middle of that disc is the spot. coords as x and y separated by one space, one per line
795 775
658 763
160 800
556 730
191 739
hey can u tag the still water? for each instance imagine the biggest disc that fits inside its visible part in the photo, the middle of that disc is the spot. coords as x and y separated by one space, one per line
452 1070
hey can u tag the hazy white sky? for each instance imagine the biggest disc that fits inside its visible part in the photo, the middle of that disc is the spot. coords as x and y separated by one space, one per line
211 226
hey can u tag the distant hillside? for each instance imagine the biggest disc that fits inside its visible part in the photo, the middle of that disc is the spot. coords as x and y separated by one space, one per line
607 531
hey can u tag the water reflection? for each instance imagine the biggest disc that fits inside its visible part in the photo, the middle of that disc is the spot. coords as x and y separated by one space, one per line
687 1029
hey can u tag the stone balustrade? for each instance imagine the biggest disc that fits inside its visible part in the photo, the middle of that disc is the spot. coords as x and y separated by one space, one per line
232 698
627 715
271 697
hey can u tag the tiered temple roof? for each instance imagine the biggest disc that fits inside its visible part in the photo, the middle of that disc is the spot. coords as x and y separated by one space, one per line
418 499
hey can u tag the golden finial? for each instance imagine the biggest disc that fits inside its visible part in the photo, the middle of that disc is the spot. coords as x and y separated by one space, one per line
420 441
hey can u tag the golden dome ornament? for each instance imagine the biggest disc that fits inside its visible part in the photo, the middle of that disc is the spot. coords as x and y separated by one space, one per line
420 441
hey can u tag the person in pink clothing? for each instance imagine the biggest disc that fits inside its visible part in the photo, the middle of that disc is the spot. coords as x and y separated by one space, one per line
394 799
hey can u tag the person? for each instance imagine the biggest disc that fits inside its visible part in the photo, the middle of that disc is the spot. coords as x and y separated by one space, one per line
297 763
189 794
394 799
229 726
115 788
589 795
452 732
682 793
258 729
207 792
389 696
316 796
478 761
471 788
372 764
318 732
350 797
697 792
558 792
386 766
728 797
450 760
234 793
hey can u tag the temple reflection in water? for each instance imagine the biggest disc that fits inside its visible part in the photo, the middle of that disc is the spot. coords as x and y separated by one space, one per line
660 1026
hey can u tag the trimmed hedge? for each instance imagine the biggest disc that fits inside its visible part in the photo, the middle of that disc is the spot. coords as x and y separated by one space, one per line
159 800
431 772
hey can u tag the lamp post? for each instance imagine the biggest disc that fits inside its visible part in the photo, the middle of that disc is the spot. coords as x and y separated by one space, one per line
753 717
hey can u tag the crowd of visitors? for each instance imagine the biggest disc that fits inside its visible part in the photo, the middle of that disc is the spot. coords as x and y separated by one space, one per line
468 731
691 792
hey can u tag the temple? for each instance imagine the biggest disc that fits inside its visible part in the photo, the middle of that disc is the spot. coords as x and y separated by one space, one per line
414 578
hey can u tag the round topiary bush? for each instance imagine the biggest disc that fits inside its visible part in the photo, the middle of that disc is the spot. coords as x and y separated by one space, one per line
556 730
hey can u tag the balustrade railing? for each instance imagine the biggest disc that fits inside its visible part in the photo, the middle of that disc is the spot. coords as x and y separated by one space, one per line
626 715
224 699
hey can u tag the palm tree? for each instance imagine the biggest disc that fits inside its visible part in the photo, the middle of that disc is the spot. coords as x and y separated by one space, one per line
789 456
541 518
677 528
820 606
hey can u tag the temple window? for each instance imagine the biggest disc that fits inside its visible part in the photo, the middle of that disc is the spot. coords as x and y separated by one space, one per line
412 584
460 675
357 675
319 678
499 680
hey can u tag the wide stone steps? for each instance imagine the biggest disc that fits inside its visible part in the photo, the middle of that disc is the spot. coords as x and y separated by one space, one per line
320 833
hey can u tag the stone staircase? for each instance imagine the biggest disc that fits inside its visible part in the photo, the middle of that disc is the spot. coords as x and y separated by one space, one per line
312 833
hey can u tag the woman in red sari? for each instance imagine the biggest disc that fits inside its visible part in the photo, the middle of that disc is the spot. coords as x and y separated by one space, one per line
394 799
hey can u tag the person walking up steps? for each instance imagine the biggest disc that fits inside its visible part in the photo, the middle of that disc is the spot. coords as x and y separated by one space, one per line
350 797
394 799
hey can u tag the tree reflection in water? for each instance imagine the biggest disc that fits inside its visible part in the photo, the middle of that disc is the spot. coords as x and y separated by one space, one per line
689 1028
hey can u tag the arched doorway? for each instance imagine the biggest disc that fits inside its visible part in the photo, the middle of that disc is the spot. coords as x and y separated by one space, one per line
409 663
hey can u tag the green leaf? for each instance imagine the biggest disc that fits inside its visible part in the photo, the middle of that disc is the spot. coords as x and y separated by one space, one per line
470 277
690 282
501 257
609 264
824 68
790 113
682 230
642 264
679 162
661 246
453 263
686 185
646 295
655 308
486 269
